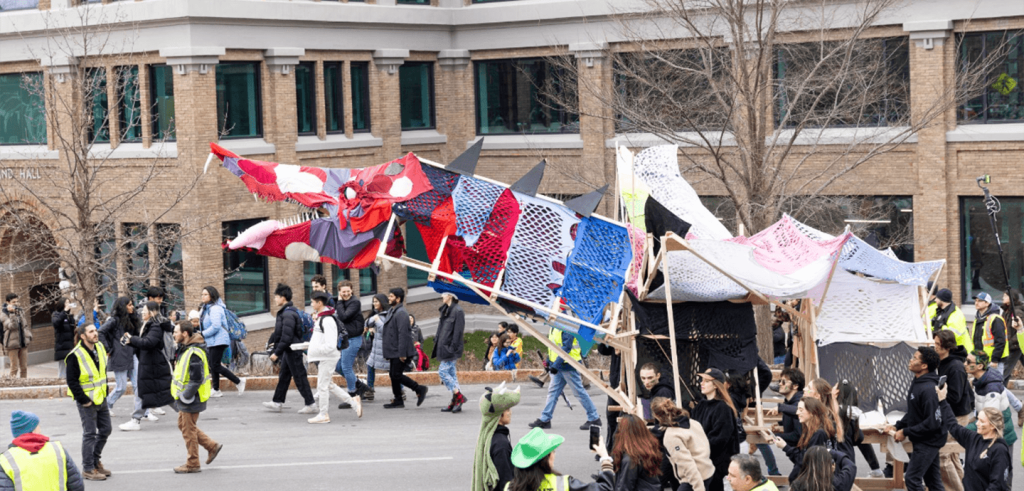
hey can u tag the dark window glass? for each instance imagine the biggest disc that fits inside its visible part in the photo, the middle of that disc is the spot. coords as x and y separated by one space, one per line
309 270
414 2
416 86
106 259
96 84
239 108
136 240
337 276
305 97
41 305
334 96
367 282
360 96
518 96
415 249
172 279
245 278
980 256
6 5
129 103
1003 98
22 110
161 101
874 90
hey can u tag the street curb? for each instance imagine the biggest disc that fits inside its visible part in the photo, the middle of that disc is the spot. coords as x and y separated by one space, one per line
270 383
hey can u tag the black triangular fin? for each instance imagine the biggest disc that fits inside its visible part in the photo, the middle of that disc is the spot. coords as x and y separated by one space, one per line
530 182
586 204
465 164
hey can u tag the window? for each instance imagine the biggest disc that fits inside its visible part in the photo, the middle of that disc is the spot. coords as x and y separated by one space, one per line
415 249
367 280
360 96
416 86
245 280
518 96
161 101
980 256
129 103
334 97
337 276
96 84
106 258
172 273
41 303
22 112
239 108
305 97
1003 100
871 87
136 241
6 5
309 270
414 2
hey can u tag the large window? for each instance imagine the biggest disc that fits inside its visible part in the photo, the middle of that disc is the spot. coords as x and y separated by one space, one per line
416 87
1003 99
245 278
309 270
239 109
22 113
172 271
334 96
413 2
6 5
129 103
868 87
305 97
980 256
521 96
96 84
360 96
136 241
161 101
415 249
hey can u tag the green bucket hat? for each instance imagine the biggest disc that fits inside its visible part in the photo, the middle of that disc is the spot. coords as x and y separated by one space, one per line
534 446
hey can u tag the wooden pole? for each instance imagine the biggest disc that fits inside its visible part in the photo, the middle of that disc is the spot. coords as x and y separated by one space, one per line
672 330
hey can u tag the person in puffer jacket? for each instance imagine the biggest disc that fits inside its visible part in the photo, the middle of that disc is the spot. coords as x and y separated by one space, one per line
990 392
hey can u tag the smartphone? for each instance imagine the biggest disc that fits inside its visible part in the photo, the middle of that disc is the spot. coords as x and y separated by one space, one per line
595 436
942 381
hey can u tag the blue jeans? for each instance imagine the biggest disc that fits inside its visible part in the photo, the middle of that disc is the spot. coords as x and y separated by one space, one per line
348 358
558 382
448 376
371 374
769 459
121 386
779 360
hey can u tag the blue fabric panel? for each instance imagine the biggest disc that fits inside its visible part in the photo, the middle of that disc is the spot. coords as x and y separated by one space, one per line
596 270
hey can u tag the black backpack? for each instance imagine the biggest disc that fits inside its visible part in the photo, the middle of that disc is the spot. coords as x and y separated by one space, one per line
342 332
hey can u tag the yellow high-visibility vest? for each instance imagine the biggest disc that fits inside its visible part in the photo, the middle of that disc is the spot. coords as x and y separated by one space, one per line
555 335
957 323
92 376
988 342
44 470
181 375
551 482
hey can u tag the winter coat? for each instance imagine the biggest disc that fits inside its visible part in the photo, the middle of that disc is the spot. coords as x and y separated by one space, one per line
791 427
501 455
988 473
451 326
719 423
689 452
661 389
959 394
350 313
397 335
778 341
63 334
17 328
214 322
154 373
33 442
323 345
990 392
999 332
505 359
845 473
633 477
923 422
796 453
188 399
286 329
122 358
376 358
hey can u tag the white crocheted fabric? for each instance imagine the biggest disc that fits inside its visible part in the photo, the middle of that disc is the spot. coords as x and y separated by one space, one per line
658 168
541 243
862 310
473 199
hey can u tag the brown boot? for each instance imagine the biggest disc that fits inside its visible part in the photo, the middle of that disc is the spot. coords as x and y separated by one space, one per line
213 455
1020 417
94 475
101 469
185 469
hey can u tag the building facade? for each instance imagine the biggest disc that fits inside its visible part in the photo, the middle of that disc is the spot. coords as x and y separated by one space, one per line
347 84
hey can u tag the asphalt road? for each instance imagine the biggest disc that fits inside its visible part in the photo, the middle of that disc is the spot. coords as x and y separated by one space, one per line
413 448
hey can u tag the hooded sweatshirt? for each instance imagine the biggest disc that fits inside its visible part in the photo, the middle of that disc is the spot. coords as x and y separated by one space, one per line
986 462
33 442
661 389
323 345
959 393
923 422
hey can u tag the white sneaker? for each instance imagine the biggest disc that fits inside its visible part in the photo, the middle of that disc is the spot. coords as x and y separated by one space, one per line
310 409
876 473
152 417
273 406
157 411
216 393
132 425
316 396
240 386
319 419
357 406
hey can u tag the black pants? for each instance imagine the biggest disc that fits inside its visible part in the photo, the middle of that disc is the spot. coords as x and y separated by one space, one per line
292 367
685 486
1009 363
216 369
868 451
399 378
96 428
923 470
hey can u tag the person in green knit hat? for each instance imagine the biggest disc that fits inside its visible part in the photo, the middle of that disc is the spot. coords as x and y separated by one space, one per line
492 460
534 459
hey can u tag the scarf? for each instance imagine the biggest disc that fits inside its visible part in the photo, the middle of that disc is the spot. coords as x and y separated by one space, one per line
492 405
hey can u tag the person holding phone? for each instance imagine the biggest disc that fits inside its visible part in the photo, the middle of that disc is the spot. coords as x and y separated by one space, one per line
636 455
534 459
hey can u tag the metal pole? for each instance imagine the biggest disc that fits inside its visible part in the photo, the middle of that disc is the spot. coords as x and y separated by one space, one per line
992 206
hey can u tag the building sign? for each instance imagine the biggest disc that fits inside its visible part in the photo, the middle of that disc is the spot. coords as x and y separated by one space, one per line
23 174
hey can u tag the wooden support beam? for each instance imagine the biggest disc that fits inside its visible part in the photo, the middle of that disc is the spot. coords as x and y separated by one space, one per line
672 332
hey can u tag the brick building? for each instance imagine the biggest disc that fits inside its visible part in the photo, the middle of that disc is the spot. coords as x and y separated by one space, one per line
346 84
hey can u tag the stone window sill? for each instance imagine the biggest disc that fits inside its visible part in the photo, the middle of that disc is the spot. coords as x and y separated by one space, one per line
807 137
339 141
249 146
986 133
519 142
423 137
27 152
163 150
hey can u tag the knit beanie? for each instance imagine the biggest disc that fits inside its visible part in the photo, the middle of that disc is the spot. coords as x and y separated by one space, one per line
23 422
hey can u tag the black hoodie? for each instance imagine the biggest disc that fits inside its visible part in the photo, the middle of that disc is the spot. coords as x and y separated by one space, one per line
960 395
923 422
981 473
661 389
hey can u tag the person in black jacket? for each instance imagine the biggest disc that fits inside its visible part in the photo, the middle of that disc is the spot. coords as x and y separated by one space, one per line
614 369
287 332
922 424
960 398
63 334
988 312
650 378
123 319
818 429
778 340
154 376
398 349
987 456
348 310
825 469
319 284
791 386
637 457
717 415
448 346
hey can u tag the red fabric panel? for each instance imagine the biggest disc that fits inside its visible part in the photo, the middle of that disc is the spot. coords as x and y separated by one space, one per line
263 172
487 257
279 240
442 224
378 212
376 183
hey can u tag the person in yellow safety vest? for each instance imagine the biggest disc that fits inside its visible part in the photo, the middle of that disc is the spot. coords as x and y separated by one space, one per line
563 373
534 459
191 388
32 462
745 475
933 306
87 384
989 331
949 316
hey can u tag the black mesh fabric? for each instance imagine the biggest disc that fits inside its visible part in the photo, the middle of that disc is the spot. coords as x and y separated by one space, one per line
877 373
421 207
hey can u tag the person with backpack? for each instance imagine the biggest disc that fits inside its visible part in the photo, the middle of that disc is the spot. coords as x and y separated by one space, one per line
448 348
323 348
288 330
349 313
379 314
213 319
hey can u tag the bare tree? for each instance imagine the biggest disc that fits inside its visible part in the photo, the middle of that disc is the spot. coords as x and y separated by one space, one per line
100 224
